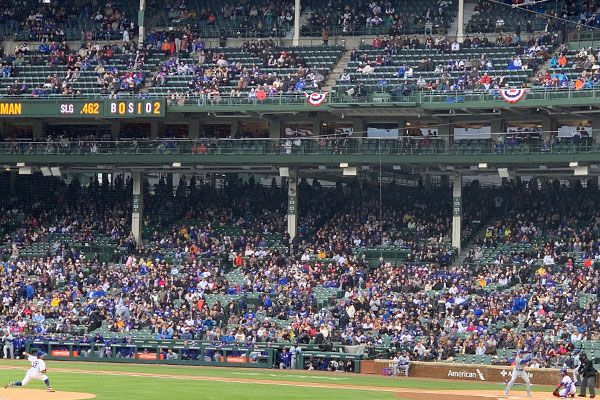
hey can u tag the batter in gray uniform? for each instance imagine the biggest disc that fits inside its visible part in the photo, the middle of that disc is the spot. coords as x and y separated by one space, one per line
519 372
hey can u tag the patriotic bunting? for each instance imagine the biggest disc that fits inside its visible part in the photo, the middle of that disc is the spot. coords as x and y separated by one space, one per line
512 95
316 98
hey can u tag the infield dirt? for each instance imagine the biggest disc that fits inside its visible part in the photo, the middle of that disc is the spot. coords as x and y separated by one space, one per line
38 394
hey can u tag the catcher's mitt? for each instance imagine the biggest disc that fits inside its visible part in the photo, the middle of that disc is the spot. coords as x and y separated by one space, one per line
555 393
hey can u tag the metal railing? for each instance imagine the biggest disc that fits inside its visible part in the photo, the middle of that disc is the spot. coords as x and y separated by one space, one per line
326 145
413 97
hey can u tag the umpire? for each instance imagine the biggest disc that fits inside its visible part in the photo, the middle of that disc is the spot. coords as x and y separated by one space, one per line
588 376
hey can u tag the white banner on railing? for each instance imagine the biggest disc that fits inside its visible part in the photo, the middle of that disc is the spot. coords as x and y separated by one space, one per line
429 131
569 131
358 349
485 132
382 133
298 132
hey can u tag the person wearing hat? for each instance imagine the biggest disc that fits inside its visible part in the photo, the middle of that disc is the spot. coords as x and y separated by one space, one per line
295 352
37 371
566 387
587 373
402 363
7 341
519 372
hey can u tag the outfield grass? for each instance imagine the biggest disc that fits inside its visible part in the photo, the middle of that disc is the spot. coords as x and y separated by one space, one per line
126 387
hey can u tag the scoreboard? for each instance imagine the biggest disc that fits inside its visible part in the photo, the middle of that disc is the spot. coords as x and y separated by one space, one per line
119 108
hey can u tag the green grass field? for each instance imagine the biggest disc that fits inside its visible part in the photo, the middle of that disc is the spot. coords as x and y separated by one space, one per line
117 381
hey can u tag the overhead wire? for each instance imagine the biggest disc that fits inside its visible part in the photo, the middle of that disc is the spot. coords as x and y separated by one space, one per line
544 14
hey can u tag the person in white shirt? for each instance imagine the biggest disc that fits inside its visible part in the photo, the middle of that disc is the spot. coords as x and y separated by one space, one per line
420 351
37 371
517 63
548 259
499 24
535 364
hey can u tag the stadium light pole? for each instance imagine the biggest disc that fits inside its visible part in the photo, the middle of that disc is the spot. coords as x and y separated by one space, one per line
296 40
461 21
141 17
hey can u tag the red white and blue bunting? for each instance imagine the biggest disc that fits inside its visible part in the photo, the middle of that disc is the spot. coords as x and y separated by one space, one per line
316 98
512 95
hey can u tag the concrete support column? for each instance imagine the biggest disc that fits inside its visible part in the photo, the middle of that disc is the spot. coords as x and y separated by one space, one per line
456 210
461 21
596 130
235 128
141 24
193 128
427 180
296 40
38 130
444 181
548 127
292 214
154 128
274 129
115 129
13 181
444 133
358 128
316 128
496 125
138 207
402 127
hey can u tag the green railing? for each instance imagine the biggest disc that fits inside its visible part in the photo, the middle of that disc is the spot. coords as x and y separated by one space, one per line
414 145
414 97
261 355
577 39
157 351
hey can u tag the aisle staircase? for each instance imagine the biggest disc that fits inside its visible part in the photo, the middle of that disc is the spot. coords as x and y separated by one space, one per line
335 74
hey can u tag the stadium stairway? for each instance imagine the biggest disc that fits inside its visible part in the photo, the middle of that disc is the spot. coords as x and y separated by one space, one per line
337 71
305 13
542 68
462 253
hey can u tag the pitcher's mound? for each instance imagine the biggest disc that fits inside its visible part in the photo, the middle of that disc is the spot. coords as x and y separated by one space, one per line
38 394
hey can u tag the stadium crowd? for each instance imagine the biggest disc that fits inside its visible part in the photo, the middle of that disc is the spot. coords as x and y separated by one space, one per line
457 71
41 21
117 68
435 308
360 17
539 292
237 18
571 71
